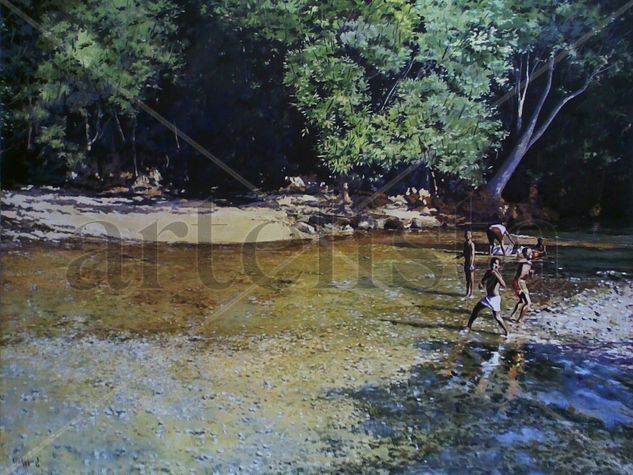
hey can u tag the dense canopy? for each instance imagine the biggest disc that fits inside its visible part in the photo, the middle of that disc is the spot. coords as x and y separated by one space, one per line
476 92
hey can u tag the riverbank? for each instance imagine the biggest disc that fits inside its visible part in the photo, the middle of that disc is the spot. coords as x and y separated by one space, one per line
56 215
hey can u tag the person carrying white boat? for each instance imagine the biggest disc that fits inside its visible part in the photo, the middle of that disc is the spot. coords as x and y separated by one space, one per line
496 232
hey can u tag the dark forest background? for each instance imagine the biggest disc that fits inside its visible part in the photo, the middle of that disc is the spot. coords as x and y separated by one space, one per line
337 88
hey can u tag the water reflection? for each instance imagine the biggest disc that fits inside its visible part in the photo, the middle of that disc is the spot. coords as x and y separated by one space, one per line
523 408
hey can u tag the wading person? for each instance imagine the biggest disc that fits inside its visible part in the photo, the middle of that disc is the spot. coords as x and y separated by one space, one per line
539 250
493 281
496 232
524 271
469 262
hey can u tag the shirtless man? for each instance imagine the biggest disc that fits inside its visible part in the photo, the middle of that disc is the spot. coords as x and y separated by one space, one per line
469 262
539 250
493 281
496 232
524 271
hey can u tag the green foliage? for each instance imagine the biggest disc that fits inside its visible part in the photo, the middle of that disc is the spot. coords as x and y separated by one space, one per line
573 45
377 84
5 92
582 35
96 59
384 83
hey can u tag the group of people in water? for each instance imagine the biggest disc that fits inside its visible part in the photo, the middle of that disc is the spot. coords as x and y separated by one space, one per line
492 279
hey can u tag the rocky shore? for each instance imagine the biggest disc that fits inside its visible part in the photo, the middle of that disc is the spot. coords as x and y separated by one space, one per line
600 316
52 214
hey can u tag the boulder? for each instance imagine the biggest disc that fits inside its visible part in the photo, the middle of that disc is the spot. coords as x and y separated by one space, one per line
366 223
393 224
305 228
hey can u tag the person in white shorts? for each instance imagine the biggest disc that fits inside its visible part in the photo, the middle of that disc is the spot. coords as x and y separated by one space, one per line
493 281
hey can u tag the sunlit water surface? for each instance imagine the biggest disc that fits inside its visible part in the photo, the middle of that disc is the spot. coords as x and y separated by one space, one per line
342 355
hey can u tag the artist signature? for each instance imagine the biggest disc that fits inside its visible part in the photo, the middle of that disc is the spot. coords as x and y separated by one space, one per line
25 463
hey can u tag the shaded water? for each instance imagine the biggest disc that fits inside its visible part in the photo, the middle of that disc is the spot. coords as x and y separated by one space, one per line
340 355
509 408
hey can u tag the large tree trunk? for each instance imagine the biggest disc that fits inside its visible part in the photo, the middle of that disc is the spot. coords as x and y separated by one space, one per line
530 134
498 182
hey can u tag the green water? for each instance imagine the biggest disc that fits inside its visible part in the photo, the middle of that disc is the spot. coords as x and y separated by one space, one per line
338 356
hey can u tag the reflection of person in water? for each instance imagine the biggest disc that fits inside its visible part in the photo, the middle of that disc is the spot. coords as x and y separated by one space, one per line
493 281
516 361
452 360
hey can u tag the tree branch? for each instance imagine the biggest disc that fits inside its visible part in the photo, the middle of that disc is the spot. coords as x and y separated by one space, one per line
97 126
518 74
398 81
552 115
98 131
541 100
87 131
118 123
521 98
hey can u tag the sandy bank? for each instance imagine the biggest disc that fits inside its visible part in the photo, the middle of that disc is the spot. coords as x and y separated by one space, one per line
54 215
51 215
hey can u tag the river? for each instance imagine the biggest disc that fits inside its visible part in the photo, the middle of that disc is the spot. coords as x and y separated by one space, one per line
343 355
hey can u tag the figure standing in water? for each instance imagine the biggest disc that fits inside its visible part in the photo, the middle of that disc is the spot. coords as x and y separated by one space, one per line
493 281
539 250
524 271
496 232
469 262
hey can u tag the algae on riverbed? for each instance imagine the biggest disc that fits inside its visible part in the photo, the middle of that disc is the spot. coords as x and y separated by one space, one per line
355 366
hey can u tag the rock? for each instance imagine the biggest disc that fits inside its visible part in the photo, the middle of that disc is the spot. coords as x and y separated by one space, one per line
369 199
305 228
366 224
295 183
417 223
116 190
321 219
338 230
148 184
345 198
398 200
393 224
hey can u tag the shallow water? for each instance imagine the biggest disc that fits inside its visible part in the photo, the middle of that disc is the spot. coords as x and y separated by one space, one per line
341 355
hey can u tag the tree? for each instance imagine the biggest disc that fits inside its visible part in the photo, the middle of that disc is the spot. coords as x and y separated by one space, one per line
96 60
231 99
384 83
581 164
576 41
